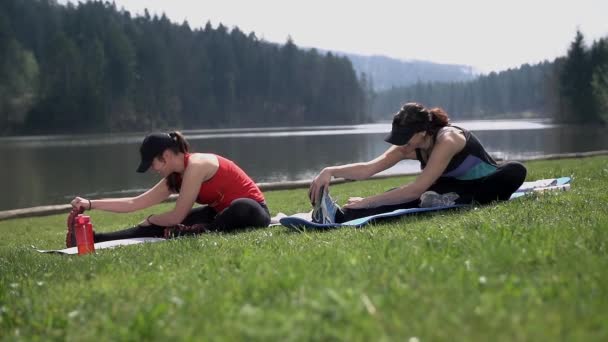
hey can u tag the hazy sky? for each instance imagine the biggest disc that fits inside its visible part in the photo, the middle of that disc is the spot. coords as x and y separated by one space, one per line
487 34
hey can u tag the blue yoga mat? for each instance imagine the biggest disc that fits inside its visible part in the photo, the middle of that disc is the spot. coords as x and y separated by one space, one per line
300 223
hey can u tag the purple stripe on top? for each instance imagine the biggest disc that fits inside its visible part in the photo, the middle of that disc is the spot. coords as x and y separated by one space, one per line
469 162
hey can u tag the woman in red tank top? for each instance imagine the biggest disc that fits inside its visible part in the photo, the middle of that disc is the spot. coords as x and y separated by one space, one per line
231 200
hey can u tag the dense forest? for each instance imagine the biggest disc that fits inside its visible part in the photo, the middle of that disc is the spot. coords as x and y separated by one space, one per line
92 67
571 89
505 94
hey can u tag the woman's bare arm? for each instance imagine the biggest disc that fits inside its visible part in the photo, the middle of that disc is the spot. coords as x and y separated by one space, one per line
447 146
199 170
358 171
155 195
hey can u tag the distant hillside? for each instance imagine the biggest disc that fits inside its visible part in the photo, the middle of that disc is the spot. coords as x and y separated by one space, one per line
390 72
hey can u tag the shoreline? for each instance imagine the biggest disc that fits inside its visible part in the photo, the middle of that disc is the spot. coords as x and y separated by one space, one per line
47 210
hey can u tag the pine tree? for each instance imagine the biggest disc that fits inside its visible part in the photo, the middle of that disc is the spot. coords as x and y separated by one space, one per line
575 83
599 79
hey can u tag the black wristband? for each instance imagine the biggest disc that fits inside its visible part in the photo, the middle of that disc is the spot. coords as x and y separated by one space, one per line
90 205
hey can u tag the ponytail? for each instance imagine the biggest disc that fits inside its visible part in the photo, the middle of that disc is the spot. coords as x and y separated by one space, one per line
439 119
181 145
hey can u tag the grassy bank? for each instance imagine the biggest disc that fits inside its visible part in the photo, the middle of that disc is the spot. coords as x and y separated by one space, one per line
530 269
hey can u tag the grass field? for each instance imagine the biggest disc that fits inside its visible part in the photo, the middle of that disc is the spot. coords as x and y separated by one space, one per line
534 269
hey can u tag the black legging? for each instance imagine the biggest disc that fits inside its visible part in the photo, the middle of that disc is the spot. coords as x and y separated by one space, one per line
242 213
499 185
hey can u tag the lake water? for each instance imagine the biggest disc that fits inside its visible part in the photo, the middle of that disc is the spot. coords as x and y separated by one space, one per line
45 170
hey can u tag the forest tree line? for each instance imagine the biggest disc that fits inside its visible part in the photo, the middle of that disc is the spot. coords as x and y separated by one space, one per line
571 89
94 68
91 67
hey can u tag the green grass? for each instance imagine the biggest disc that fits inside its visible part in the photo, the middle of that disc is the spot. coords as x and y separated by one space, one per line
534 269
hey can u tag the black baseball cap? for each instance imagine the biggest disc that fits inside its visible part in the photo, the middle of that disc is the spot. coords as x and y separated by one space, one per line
400 134
153 145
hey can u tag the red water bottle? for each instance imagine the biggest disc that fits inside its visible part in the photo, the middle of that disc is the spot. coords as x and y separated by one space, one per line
84 235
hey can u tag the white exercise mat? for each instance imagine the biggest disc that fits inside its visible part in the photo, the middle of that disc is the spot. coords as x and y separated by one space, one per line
274 221
104 245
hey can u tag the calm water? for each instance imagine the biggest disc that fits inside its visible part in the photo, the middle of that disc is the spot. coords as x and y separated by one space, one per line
53 169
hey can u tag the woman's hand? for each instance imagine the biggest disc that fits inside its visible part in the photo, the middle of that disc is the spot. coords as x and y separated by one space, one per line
357 203
81 203
321 181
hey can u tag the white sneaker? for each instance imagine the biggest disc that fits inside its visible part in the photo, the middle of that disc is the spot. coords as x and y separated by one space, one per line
328 208
317 213
432 199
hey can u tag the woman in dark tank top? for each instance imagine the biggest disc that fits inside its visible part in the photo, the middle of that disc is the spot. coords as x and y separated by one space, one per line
472 162
456 169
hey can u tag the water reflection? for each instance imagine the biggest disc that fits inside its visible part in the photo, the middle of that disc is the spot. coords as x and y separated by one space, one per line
51 170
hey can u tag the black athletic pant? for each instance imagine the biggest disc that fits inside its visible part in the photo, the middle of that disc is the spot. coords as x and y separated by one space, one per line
241 213
497 186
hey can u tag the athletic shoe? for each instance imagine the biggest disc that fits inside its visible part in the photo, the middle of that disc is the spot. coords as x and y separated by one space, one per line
317 214
328 208
70 236
432 199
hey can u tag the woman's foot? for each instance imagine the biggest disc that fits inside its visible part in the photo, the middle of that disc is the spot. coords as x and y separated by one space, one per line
432 199
325 210
317 214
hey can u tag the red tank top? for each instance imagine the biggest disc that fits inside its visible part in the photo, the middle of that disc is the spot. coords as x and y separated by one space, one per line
228 183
